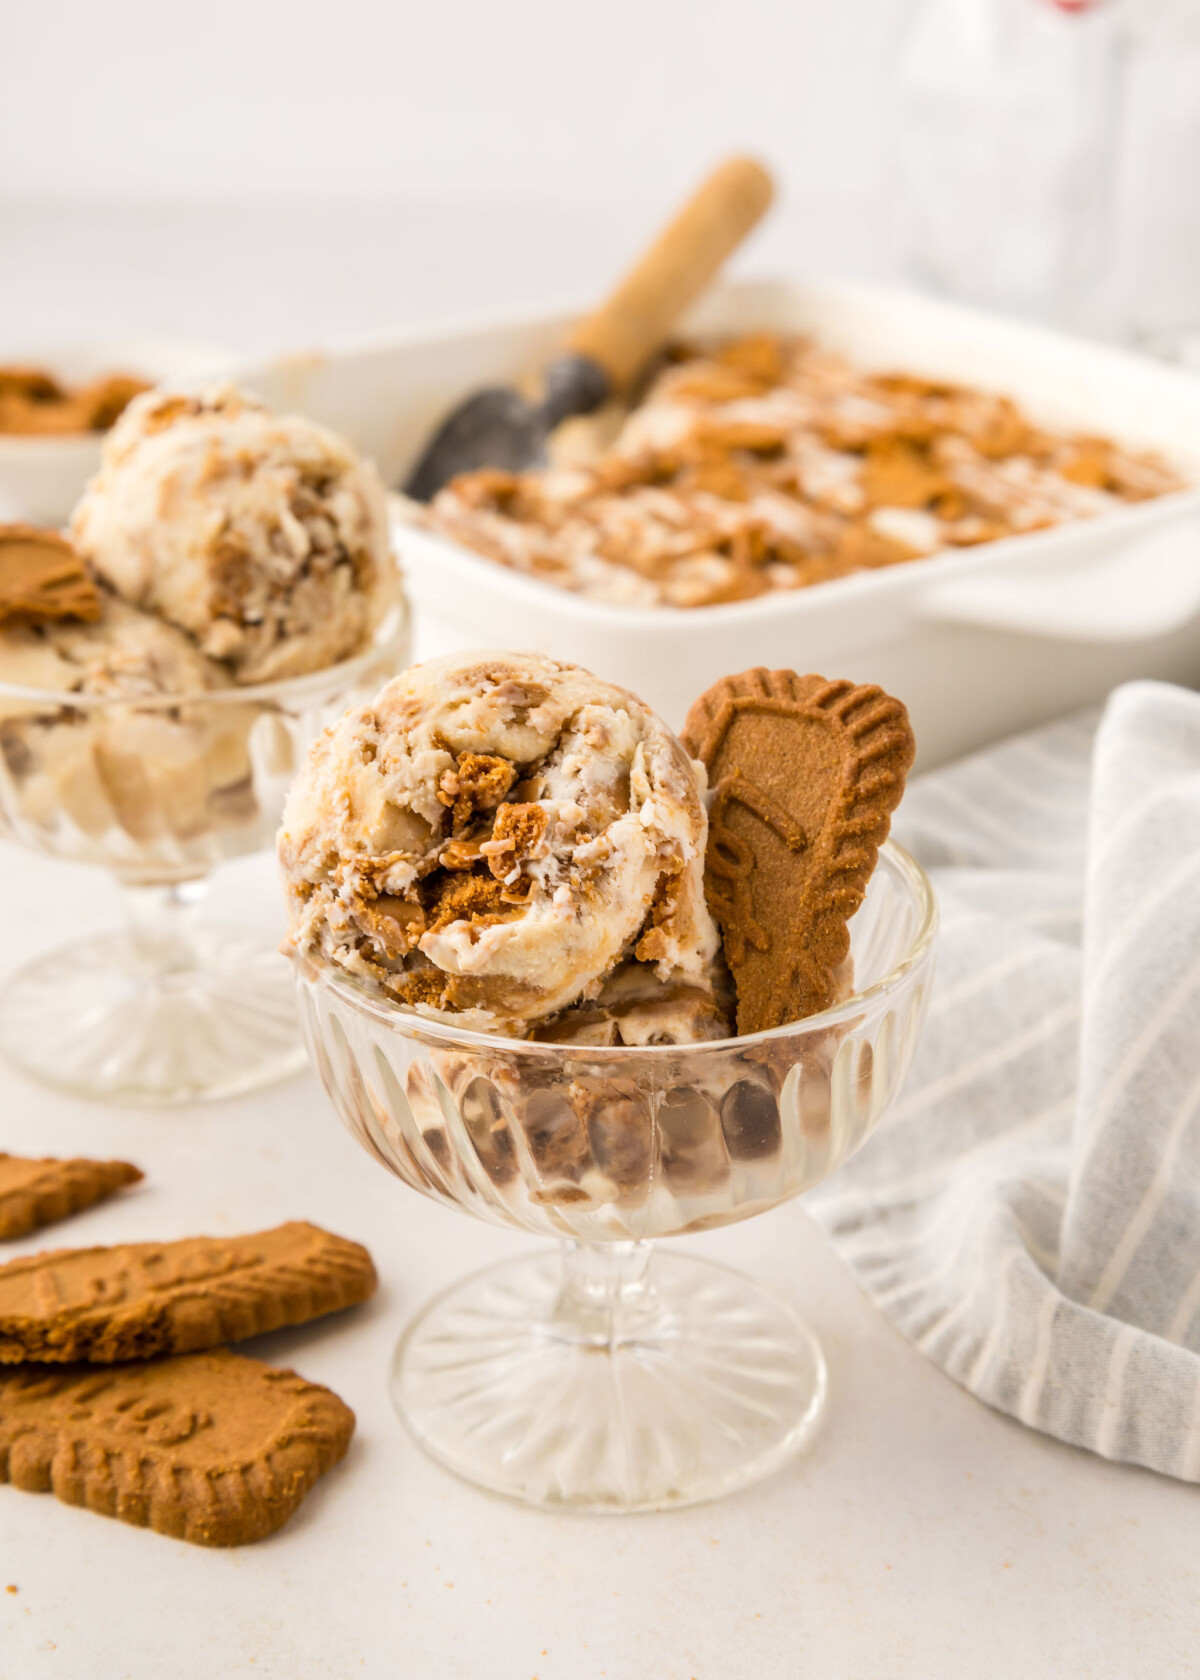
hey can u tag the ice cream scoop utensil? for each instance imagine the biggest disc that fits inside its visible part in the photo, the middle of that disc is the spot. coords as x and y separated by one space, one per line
603 353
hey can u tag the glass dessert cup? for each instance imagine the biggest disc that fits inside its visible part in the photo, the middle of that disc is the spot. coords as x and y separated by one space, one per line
613 1378
160 790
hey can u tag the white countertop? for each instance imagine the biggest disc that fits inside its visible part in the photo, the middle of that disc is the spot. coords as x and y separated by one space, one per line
920 1536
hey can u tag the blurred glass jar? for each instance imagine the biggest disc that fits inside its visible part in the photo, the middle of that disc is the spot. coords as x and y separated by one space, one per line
1159 214
1002 149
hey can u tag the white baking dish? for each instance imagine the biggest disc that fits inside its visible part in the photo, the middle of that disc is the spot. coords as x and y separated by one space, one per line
41 478
978 642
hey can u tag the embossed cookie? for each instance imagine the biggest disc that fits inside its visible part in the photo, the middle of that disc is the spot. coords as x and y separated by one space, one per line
42 577
36 1192
211 1447
804 774
142 1299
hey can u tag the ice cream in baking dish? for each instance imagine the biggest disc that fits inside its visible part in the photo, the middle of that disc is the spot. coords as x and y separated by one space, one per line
768 463
499 837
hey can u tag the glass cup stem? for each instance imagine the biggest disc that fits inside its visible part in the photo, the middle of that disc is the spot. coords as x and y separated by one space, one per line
165 1009
606 1296
162 925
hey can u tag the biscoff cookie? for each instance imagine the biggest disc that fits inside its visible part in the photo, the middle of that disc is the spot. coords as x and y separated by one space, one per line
42 577
211 1447
804 774
39 1192
141 1299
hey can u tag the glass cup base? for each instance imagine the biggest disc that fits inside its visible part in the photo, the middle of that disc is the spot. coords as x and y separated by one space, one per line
543 1383
100 1019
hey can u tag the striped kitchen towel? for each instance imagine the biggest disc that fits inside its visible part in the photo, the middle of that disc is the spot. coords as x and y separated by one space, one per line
1029 1211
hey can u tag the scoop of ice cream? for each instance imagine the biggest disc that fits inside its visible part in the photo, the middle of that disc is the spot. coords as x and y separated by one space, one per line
264 537
146 770
493 835
123 653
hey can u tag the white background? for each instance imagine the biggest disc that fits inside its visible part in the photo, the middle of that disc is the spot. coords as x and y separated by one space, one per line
262 175
549 99
569 123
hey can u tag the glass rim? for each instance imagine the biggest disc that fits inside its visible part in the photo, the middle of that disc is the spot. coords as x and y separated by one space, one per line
411 1024
391 630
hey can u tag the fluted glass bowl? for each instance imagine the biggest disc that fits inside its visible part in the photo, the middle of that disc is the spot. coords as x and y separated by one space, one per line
159 790
606 1378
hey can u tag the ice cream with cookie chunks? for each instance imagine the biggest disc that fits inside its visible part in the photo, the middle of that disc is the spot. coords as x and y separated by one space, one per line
121 652
137 765
119 758
62 631
219 547
262 537
494 837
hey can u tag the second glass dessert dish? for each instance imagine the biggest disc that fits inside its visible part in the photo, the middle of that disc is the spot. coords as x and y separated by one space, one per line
227 590
609 1375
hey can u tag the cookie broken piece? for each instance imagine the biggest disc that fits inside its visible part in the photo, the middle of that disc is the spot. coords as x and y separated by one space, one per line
141 1299
211 1447
39 1192
43 578
804 774
35 404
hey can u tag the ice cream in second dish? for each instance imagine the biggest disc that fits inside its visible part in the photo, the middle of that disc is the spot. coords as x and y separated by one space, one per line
497 837
220 546
263 537
122 653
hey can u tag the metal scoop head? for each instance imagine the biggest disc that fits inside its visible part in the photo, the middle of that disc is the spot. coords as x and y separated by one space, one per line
498 427
607 349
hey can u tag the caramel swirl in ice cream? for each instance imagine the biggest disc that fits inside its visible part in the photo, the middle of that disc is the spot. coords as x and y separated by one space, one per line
493 836
767 463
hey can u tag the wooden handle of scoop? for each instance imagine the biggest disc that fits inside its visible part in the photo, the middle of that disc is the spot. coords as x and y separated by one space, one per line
625 331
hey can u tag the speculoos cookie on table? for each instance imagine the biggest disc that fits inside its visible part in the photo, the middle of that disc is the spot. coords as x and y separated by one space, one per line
36 1192
209 1447
139 1300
